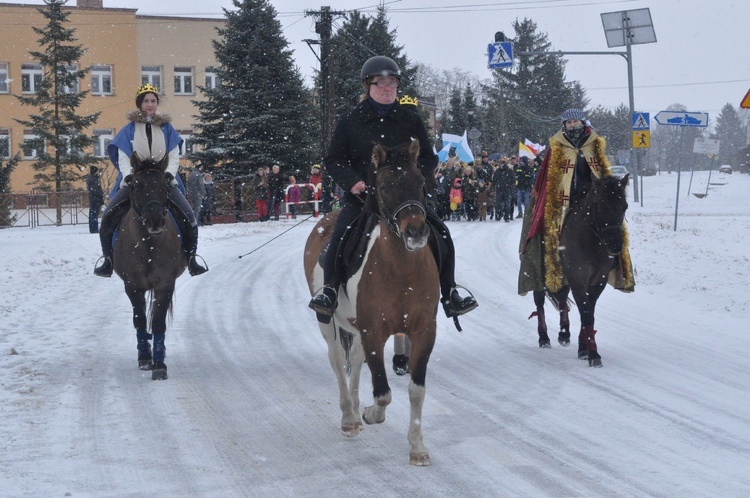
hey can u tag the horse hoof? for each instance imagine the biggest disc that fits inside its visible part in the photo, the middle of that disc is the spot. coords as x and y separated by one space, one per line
145 364
583 355
595 362
351 430
158 371
545 344
564 339
419 459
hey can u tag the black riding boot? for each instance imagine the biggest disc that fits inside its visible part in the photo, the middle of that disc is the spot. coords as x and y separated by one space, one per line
110 221
190 238
326 300
442 247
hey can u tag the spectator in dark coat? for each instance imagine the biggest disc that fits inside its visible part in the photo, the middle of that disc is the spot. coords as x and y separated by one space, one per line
524 182
504 182
275 192
196 189
207 209
96 198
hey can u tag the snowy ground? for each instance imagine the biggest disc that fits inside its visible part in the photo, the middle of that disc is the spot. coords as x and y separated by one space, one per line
251 405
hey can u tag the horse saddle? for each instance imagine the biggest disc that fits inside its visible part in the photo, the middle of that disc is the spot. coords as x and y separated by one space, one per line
351 250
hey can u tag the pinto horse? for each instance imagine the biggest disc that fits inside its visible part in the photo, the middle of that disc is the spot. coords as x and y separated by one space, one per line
590 243
395 290
148 257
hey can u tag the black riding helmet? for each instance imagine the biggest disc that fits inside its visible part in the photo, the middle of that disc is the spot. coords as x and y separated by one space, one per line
379 66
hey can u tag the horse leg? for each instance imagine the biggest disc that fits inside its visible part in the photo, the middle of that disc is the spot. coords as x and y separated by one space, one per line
421 349
160 304
563 337
140 322
541 324
586 302
343 349
381 391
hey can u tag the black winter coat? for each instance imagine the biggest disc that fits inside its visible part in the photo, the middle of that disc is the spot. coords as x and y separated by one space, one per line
350 154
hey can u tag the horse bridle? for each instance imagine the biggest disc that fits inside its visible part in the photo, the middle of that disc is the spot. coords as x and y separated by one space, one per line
390 218
139 210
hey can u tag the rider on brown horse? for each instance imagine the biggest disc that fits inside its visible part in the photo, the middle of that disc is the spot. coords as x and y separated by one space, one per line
150 136
380 119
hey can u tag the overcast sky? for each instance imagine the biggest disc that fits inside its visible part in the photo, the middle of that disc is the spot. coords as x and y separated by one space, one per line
700 58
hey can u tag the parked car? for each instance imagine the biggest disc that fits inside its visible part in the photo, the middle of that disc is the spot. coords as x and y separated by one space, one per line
619 171
725 168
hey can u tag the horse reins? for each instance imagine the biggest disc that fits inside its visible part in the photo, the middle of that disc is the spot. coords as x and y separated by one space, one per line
390 218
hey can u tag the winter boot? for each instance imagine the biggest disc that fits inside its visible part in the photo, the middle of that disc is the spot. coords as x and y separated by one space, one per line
455 305
191 247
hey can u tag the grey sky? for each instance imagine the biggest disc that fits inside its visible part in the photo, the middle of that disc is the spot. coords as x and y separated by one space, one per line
700 58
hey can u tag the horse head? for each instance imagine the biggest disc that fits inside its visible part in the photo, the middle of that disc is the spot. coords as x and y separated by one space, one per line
149 192
609 206
399 189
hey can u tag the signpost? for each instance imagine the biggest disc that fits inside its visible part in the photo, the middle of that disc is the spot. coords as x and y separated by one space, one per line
500 55
745 104
678 118
681 119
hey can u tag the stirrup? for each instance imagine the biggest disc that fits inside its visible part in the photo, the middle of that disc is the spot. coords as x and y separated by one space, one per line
325 301
196 268
467 304
105 269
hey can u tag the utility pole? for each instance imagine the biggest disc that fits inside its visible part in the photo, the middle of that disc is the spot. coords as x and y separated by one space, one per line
323 25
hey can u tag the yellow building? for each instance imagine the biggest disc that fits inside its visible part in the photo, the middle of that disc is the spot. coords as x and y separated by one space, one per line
124 50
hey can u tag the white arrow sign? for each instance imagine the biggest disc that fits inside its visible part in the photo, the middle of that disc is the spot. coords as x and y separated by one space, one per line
677 118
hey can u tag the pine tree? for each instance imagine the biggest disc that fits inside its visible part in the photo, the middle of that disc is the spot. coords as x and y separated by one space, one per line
528 98
58 128
260 113
732 134
359 38
456 122
6 218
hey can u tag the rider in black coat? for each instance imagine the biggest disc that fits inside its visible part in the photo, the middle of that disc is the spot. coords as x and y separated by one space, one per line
380 118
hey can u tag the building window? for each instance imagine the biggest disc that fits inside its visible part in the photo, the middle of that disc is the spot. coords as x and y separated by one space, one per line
212 79
4 143
183 80
101 80
4 77
32 145
186 147
73 86
102 138
31 78
152 76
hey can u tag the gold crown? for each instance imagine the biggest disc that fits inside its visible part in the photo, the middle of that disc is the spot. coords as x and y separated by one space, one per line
147 88
407 100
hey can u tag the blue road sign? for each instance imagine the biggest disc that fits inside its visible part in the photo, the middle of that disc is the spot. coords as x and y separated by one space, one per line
679 118
641 121
500 55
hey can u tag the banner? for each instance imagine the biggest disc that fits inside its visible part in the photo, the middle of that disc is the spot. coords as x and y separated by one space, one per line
461 143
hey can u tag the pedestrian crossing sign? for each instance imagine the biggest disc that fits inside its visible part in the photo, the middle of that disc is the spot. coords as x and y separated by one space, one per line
641 139
641 121
500 55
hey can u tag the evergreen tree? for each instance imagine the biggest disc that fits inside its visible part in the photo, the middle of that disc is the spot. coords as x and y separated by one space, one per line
470 108
359 38
6 219
529 98
732 133
615 126
58 128
260 112
456 122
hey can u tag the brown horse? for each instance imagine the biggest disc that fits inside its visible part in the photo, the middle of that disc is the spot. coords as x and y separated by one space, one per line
148 257
396 289
590 244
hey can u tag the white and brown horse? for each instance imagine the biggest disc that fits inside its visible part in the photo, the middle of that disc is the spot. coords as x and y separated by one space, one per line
396 289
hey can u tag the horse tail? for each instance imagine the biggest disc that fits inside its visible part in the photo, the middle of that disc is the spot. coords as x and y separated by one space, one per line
560 299
151 309
346 339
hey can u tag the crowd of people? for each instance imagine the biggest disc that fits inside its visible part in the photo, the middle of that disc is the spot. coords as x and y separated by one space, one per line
486 189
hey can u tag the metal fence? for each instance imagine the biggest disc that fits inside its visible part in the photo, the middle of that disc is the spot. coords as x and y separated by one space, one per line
234 203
